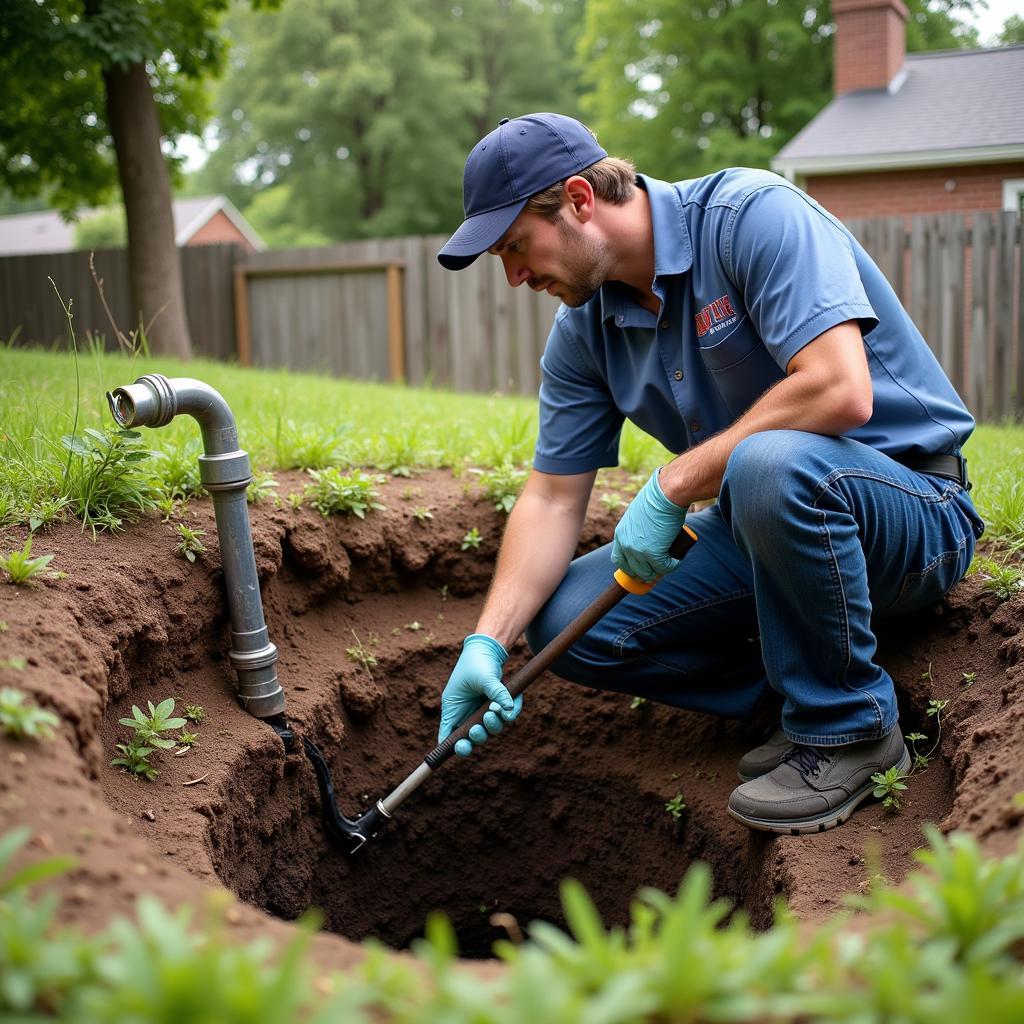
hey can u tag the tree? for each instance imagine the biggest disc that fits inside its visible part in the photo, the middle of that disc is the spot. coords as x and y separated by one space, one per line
365 109
90 88
1012 31
683 87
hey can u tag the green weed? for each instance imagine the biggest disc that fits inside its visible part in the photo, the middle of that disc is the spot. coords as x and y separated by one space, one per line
676 806
1005 581
189 543
471 539
20 566
888 785
360 654
502 484
104 487
262 486
195 713
306 446
134 758
187 739
334 492
422 513
175 471
150 728
21 719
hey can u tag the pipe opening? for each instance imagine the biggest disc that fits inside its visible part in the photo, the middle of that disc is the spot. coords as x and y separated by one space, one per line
122 408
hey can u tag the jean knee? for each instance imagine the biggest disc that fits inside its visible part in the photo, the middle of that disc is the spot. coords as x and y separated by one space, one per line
762 474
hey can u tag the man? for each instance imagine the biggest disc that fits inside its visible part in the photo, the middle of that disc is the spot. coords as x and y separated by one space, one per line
744 327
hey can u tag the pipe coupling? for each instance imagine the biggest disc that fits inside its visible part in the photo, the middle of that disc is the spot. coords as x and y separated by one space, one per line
149 402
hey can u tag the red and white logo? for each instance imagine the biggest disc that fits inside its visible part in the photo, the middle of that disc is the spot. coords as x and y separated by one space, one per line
712 314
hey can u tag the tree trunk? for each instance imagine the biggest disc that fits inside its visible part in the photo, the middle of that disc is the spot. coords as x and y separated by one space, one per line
158 297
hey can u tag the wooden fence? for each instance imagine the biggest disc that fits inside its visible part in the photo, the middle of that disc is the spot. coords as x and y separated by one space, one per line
384 309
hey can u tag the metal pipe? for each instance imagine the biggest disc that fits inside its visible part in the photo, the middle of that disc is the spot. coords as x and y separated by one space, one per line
153 401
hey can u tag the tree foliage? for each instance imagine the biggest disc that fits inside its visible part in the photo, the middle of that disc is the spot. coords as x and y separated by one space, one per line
54 133
352 118
686 86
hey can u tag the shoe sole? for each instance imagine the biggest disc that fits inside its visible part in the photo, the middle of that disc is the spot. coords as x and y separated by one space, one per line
809 826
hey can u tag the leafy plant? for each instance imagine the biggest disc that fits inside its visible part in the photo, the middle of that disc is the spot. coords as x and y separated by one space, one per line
175 471
637 703
188 739
189 543
20 566
135 759
148 728
1005 581
47 511
502 484
889 785
471 539
676 806
360 654
612 501
104 486
195 713
422 513
262 486
20 719
332 492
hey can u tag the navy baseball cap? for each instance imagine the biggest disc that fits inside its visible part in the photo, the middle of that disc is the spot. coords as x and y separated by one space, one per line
520 158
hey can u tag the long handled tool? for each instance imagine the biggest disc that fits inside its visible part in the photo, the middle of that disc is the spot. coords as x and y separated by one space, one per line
351 834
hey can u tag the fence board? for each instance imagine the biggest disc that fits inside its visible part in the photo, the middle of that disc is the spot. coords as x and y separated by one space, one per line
961 282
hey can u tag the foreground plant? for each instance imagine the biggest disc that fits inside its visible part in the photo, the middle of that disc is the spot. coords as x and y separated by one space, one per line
21 719
944 948
20 566
150 728
333 492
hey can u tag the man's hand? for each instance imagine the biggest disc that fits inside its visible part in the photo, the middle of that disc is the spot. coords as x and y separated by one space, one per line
646 531
476 678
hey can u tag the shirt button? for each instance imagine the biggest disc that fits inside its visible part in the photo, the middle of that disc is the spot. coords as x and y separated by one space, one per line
664 325
678 375
694 427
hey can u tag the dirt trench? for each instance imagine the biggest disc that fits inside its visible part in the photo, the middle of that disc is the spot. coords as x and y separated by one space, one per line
368 617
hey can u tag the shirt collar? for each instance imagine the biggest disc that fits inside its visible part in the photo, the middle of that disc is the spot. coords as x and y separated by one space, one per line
673 253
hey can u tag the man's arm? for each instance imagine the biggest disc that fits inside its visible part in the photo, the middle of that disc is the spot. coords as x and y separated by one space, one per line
540 539
827 390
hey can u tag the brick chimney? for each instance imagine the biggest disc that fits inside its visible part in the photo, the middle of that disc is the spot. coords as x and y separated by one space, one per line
870 43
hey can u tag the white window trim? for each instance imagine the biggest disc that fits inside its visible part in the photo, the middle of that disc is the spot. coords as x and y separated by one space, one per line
1013 194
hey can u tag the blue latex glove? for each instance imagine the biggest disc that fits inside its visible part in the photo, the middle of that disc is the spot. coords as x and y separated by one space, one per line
645 533
475 678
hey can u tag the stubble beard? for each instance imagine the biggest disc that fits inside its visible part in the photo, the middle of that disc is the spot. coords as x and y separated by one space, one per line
588 264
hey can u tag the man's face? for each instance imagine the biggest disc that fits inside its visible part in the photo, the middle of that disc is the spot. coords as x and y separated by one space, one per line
554 256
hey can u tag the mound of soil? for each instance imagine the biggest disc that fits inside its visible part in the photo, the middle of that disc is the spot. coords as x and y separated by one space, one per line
368 617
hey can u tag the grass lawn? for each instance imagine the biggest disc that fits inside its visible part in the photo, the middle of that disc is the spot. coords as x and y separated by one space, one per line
290 421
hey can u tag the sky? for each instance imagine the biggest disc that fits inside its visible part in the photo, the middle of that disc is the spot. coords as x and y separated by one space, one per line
988 24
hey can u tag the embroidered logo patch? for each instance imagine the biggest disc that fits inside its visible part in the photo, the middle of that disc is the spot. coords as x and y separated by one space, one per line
711 317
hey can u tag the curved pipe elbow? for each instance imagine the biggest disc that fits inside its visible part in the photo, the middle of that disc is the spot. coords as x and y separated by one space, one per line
154 400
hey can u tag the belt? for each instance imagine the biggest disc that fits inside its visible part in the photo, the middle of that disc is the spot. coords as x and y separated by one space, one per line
950 467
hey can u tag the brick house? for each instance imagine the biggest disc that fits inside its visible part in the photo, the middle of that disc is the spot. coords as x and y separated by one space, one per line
202 220
938 132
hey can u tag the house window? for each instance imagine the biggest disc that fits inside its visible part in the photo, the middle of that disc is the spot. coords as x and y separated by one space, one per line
1013 195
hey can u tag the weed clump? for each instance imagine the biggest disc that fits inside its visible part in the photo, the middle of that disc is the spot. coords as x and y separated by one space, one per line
334 492
20 566
21 719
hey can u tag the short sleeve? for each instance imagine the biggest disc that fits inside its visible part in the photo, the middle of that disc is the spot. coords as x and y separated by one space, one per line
579 422
796 269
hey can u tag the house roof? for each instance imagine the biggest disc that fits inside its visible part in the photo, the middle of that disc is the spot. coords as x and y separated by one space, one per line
948 107
22 234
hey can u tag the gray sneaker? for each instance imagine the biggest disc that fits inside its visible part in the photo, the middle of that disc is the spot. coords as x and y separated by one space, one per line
761 760
816 788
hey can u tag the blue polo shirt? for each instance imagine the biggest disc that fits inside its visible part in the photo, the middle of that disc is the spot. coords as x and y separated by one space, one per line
748 270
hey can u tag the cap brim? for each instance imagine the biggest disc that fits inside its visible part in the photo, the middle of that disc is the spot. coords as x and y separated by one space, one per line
476 235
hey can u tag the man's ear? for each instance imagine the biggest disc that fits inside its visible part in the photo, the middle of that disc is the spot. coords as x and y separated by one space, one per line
579 199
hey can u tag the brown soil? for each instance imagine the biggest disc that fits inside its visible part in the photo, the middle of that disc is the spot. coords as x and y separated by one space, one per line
579 788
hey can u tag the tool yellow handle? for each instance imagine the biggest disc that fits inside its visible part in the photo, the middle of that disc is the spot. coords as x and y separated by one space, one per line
686 539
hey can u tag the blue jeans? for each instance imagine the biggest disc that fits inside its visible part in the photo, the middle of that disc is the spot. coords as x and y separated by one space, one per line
811 537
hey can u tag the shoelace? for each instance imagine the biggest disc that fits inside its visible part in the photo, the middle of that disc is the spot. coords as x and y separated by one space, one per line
806 760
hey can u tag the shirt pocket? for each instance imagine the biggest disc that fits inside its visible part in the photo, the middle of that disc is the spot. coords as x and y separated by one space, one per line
740 366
